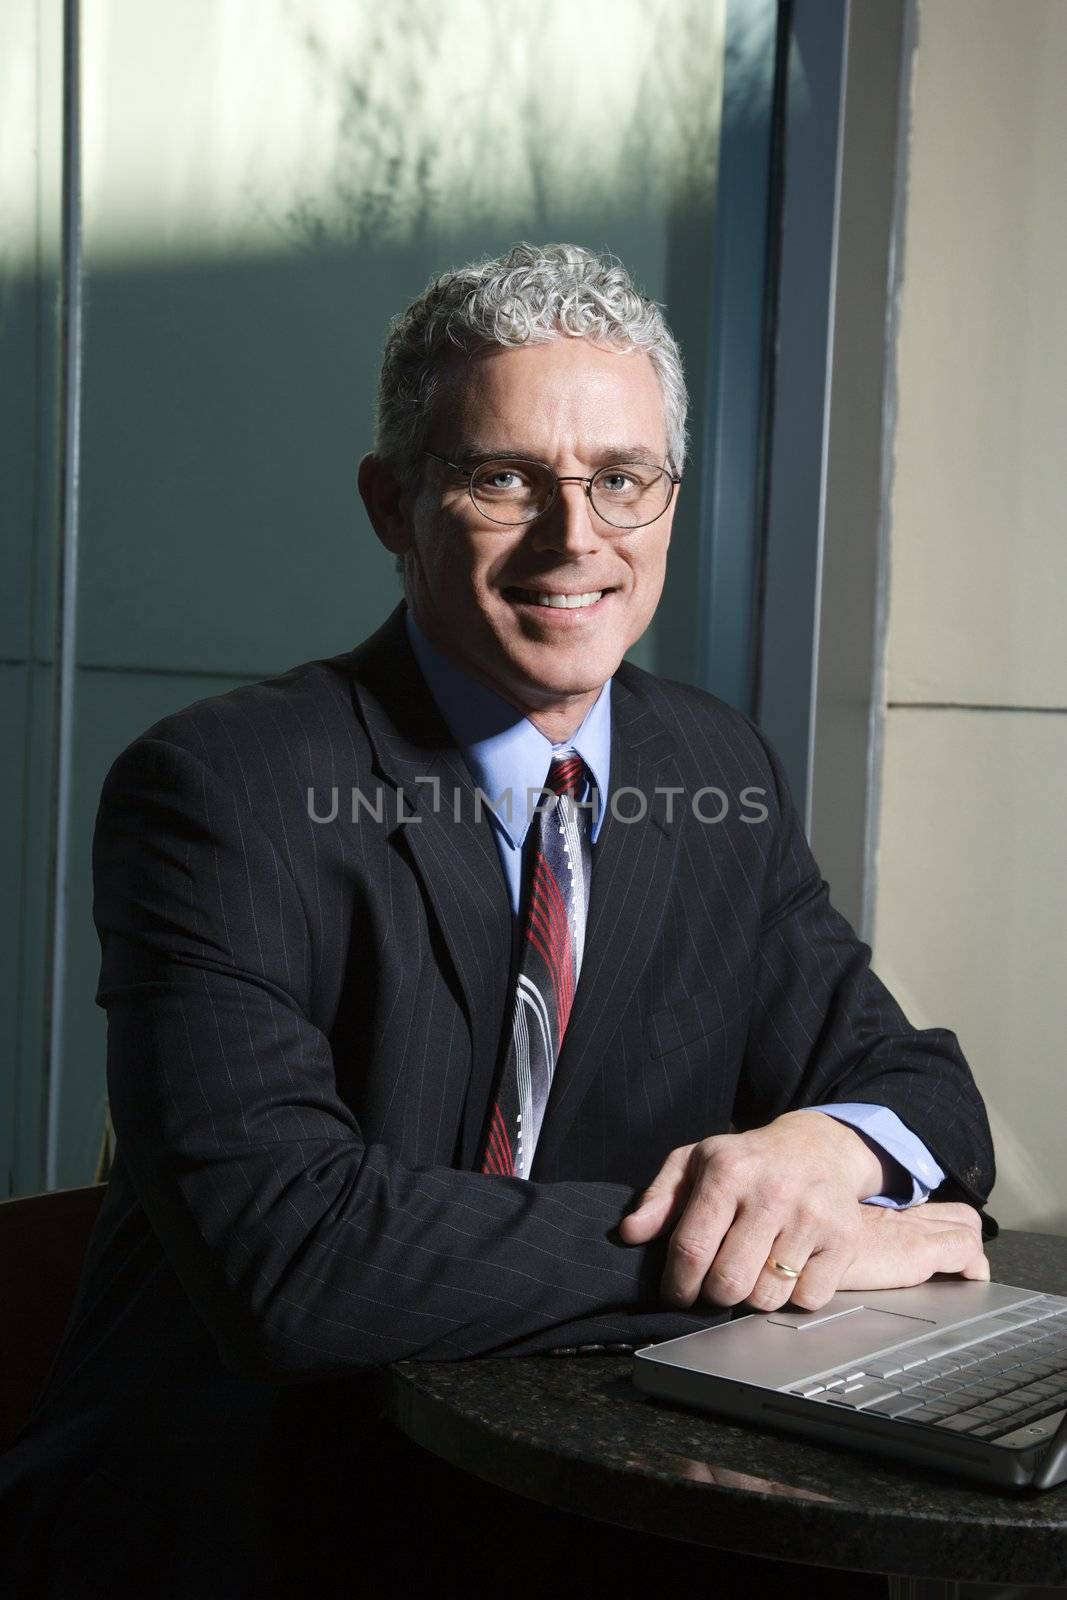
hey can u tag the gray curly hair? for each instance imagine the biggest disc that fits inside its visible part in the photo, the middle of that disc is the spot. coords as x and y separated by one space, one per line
534 293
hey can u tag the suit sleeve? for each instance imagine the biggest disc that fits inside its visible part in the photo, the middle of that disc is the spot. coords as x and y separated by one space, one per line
306 1251
824 1028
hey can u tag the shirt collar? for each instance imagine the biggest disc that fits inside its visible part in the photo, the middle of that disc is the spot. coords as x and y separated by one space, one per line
504 752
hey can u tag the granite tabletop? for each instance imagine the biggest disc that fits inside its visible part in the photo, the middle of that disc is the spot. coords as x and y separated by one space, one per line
574 1432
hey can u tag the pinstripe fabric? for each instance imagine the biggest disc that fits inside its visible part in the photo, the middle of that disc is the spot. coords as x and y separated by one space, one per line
304 1021
305 1018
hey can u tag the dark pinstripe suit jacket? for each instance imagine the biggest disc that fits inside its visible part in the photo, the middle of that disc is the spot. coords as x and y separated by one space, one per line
304 1021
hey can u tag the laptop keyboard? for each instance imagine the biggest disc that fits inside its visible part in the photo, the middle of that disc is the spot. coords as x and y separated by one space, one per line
1001 1372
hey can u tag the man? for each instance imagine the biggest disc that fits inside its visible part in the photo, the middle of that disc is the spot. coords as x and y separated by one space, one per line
438 973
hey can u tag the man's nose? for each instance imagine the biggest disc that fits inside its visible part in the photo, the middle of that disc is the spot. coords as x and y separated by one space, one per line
569 525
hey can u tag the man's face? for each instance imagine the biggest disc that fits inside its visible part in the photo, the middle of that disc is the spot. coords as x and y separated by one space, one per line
474 584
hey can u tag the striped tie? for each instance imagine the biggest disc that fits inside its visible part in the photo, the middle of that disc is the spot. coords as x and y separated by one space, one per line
550 958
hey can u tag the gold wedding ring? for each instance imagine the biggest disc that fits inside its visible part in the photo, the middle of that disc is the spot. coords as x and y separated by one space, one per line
780 1266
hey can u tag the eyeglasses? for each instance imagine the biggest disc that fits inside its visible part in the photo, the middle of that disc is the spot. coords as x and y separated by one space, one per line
513 491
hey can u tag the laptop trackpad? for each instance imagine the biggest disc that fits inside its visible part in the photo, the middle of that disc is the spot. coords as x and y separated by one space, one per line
875 1323
784 1346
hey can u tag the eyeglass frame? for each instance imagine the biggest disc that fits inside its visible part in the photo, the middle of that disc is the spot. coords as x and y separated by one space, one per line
587 484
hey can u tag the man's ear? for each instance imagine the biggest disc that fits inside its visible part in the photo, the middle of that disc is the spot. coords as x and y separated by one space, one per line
387 504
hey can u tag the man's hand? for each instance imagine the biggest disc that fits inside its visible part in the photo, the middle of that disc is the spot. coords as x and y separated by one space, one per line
901 1248
789 1192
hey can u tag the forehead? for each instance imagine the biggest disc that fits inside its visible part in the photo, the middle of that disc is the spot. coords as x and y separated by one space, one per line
566 395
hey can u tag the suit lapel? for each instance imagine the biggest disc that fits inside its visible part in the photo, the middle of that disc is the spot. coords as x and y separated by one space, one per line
457 860
633 871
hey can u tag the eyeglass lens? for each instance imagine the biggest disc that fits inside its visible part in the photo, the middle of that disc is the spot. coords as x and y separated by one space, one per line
624 495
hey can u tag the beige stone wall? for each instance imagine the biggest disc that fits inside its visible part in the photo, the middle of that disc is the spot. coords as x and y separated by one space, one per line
971 918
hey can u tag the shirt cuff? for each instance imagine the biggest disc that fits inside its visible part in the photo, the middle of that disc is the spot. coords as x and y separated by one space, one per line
916 1173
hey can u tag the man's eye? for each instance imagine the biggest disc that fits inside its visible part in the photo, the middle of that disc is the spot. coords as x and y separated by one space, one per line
617 482
502 480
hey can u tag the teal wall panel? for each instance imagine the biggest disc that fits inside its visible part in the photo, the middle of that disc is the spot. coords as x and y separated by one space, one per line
19 307
25 926
226 406
14 690
30 173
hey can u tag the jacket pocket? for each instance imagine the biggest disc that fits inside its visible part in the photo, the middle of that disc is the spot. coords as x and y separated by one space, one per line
694 1017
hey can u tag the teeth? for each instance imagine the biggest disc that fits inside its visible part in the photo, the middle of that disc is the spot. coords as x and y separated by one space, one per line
569 602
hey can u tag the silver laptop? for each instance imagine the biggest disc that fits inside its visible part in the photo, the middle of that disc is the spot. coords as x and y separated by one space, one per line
968 1378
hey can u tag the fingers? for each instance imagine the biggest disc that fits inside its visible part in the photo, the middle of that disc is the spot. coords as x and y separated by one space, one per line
771 1288
739 1270
735 1220
955 1211
741 1267
694 1245
909 1251
951 1250
956 1250
947 1248
820 1278
898 1249
662 1202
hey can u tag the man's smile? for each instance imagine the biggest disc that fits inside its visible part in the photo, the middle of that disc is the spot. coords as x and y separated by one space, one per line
556 600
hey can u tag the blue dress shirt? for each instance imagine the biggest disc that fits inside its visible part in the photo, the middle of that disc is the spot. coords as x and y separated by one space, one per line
508 758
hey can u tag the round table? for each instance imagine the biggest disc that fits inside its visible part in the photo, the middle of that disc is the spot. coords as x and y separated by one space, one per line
574 1432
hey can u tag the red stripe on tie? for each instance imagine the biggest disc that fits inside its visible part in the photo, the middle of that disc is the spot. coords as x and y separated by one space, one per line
552 940
501 1147
561 980
549 931
499 1158
563 777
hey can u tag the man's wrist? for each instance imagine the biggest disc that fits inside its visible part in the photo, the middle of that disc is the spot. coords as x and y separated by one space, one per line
869 1172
